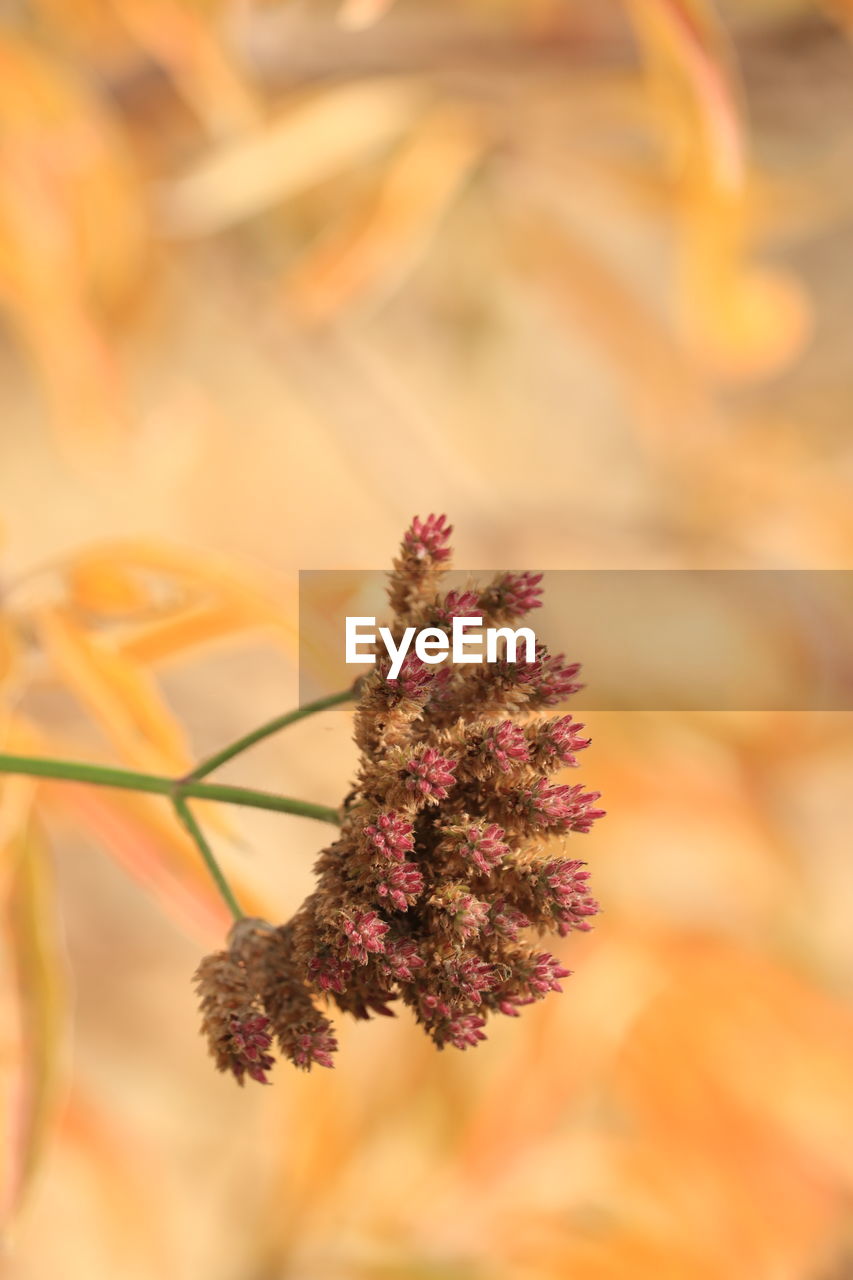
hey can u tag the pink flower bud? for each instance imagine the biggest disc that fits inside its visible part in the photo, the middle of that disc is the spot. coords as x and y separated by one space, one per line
364 933
315 1044
561 806
471 978
518 593
401 959
329 973
546 972
402 885
506 744
550 679
506 920
464 1030
456 604
556 742
430 774
464 914
414 678
248 1044
484 846
391 835
427 539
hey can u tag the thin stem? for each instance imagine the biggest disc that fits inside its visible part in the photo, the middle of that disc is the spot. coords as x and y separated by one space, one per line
130 780
182 809
248 798
207 766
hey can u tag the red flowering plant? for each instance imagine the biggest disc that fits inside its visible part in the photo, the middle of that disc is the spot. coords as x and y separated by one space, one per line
449 865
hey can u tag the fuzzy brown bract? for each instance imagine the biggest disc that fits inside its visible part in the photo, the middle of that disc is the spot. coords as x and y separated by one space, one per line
450 862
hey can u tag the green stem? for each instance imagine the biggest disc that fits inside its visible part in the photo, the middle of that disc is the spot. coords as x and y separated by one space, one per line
153 784
182 809
264 731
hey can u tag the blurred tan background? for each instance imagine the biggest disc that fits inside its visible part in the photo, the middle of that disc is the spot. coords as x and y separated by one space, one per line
274 277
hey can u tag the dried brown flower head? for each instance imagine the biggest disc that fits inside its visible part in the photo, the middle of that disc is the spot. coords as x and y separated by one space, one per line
449 861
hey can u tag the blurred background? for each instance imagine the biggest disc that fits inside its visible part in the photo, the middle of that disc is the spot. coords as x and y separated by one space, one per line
274 277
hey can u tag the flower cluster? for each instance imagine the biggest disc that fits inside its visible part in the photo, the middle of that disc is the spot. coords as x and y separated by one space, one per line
255 992
449 860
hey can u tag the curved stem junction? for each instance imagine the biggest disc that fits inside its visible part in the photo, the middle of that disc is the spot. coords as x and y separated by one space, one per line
181 790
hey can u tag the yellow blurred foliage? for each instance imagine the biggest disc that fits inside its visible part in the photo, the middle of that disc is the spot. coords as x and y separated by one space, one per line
279 276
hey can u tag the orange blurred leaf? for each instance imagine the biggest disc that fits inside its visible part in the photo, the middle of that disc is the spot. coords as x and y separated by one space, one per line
356 15
33 1019
743 322
191 629
334 131
17 795
8 651
72 232
616 1252
189 46
212 598
106 587
121 696
371 257
16 801
688 51
71 219
736 1080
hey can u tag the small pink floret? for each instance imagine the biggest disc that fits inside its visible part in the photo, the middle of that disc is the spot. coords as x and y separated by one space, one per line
364 933
248 1044
465 1030
402 885
391 835
314 1046
521 592
546 974
569 807
484 846
413 680
330 973
431 774
552 679
402 959
506 744
427 539
564 737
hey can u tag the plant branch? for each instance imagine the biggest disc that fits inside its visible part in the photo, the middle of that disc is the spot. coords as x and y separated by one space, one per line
207 766
185 816
153 784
